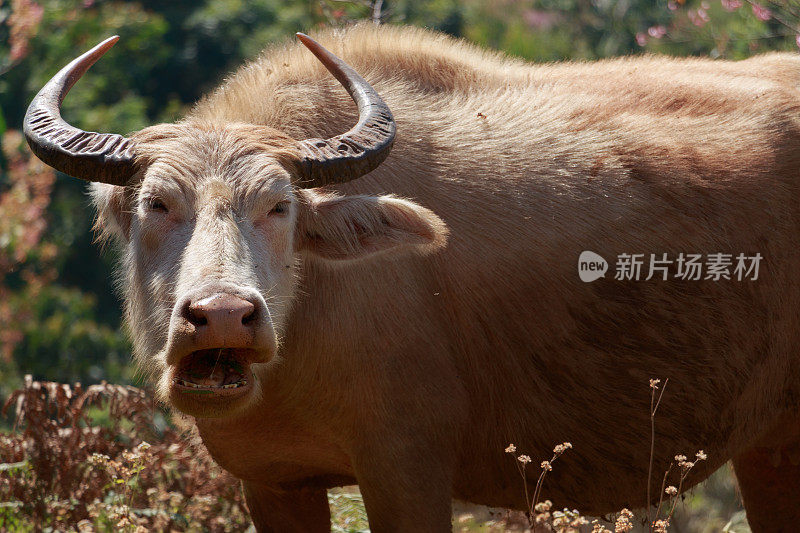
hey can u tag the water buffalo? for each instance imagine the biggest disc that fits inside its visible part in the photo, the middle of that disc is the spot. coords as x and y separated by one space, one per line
327 317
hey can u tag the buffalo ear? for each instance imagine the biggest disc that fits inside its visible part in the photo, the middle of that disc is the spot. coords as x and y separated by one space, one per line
114 206
347 228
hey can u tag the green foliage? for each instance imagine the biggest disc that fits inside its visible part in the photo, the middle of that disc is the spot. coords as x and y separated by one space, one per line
118 88
243 27
60 315
733 29
59 312
347 511
63 322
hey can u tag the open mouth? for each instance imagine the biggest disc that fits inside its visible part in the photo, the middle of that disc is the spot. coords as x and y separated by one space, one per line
214 371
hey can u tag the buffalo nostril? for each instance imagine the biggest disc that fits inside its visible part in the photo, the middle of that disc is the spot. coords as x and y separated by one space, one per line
250 317
193 316
221 313
212 320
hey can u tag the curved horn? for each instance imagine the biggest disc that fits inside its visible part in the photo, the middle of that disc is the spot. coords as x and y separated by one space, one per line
103 157
363 148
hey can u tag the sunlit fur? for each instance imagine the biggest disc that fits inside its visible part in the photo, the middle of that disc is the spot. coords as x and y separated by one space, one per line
410 373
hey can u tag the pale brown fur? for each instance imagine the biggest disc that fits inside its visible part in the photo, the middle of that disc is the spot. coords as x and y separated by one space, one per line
411 372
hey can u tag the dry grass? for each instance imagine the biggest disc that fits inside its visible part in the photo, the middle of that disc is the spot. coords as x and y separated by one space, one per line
103 458
78 459
542 517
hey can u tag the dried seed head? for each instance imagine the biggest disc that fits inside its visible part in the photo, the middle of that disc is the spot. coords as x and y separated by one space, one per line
701 456
544 506
660 526
597 527
623 523
98 459
561 448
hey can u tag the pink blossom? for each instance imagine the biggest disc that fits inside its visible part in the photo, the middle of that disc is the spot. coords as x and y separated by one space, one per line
540 20
23 22
761 12
657 32
641 39
699 17
671 5
731 5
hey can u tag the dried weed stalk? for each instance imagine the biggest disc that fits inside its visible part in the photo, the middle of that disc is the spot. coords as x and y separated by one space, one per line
542 518
79 459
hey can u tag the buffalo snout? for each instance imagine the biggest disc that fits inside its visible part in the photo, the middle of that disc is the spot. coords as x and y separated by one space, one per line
222 318
213 318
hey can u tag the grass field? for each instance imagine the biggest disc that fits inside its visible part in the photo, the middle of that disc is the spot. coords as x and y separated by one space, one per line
105 458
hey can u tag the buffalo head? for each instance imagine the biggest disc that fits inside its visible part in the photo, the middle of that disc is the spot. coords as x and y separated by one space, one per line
215 218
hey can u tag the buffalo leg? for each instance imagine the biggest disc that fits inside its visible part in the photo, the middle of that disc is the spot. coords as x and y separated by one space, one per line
769 479
302 510
416 498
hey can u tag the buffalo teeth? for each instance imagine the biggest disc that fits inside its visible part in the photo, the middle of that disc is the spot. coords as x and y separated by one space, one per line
189 384
185 383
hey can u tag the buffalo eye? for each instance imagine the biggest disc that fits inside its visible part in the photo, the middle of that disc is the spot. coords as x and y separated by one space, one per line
280 208
156 204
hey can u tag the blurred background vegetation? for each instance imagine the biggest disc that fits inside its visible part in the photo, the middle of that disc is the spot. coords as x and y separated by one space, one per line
60 315
59 312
